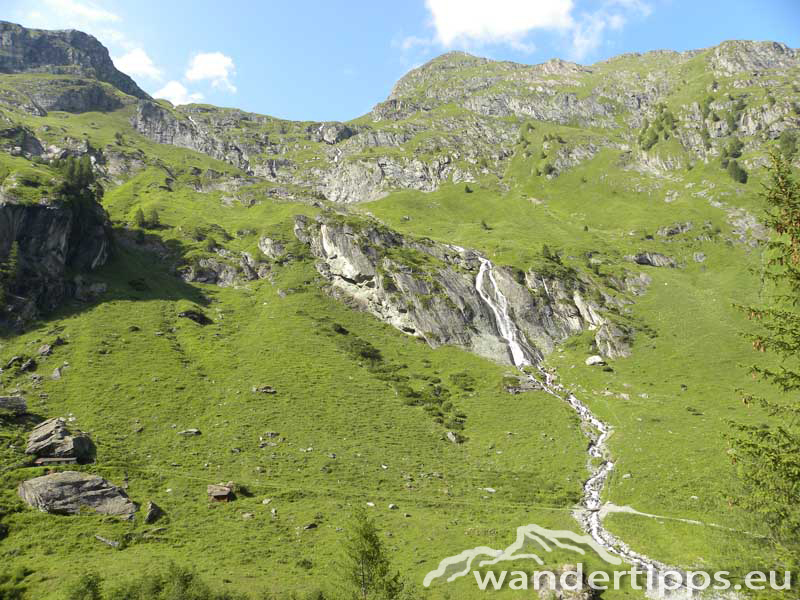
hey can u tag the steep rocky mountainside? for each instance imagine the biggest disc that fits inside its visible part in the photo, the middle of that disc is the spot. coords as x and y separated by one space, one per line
329 315
69 52
458 118
429 290
56 243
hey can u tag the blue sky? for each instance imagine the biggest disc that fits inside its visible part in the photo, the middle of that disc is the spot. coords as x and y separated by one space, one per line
333 60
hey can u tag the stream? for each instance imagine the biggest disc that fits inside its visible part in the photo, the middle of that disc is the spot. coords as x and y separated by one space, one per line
600 462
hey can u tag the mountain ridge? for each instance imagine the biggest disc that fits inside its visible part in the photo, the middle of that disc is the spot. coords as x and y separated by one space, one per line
323 313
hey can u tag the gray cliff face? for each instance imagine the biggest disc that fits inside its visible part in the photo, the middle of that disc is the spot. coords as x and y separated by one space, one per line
164 127
54 241
459 117
70 94
428 290
68 52
733 57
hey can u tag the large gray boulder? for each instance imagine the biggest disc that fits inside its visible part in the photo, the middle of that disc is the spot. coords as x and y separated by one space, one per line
70 492
13 404
52 439
653 259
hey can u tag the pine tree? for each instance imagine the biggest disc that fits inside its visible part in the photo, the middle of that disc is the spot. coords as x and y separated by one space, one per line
737 173
368 573
768 457
153 220
9 270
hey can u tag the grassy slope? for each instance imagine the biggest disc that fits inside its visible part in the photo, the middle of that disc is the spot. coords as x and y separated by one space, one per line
189 376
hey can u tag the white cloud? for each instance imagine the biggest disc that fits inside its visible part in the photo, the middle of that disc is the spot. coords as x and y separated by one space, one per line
214 67
83 11
588 34
138 64
498 21
412 41
176 92
468 23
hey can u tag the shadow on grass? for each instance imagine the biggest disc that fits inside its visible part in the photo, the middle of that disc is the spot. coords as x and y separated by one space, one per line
138 271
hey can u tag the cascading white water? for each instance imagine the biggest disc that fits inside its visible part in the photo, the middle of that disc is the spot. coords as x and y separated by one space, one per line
600 465
499 305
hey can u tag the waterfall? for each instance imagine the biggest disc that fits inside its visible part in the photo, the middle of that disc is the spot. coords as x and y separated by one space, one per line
499 305
599 464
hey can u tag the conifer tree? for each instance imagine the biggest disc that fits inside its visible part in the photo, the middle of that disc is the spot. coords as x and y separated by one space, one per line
368 572
768 457
9 270
153 220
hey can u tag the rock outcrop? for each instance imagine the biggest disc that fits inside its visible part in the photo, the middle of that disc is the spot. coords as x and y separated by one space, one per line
14 405
69 52
55 238
52 439
429 290
71 492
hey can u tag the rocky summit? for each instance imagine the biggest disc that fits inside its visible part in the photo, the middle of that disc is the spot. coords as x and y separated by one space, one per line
504 302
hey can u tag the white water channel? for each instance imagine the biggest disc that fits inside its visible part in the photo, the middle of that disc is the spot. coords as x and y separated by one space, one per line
600 463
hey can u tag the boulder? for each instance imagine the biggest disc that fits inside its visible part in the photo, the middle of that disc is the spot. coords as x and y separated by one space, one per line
196 316
271 248
52 439
675 229
70 492
453 437
576 588
154 513
653 259
594 360
263 389
221 492
14 404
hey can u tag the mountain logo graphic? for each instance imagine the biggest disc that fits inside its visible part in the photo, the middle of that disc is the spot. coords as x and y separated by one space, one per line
529 538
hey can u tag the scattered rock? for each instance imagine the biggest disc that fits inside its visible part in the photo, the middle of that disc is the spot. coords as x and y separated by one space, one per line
699 257
393 507
247 516
221 492
551 588
28 365
595 360
154 513
107 541
45 350
523 384
189 432
271 248
52 439
196 316
675 229
264 389
454 437
653 259
69 492
310 526
57 374
13 404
